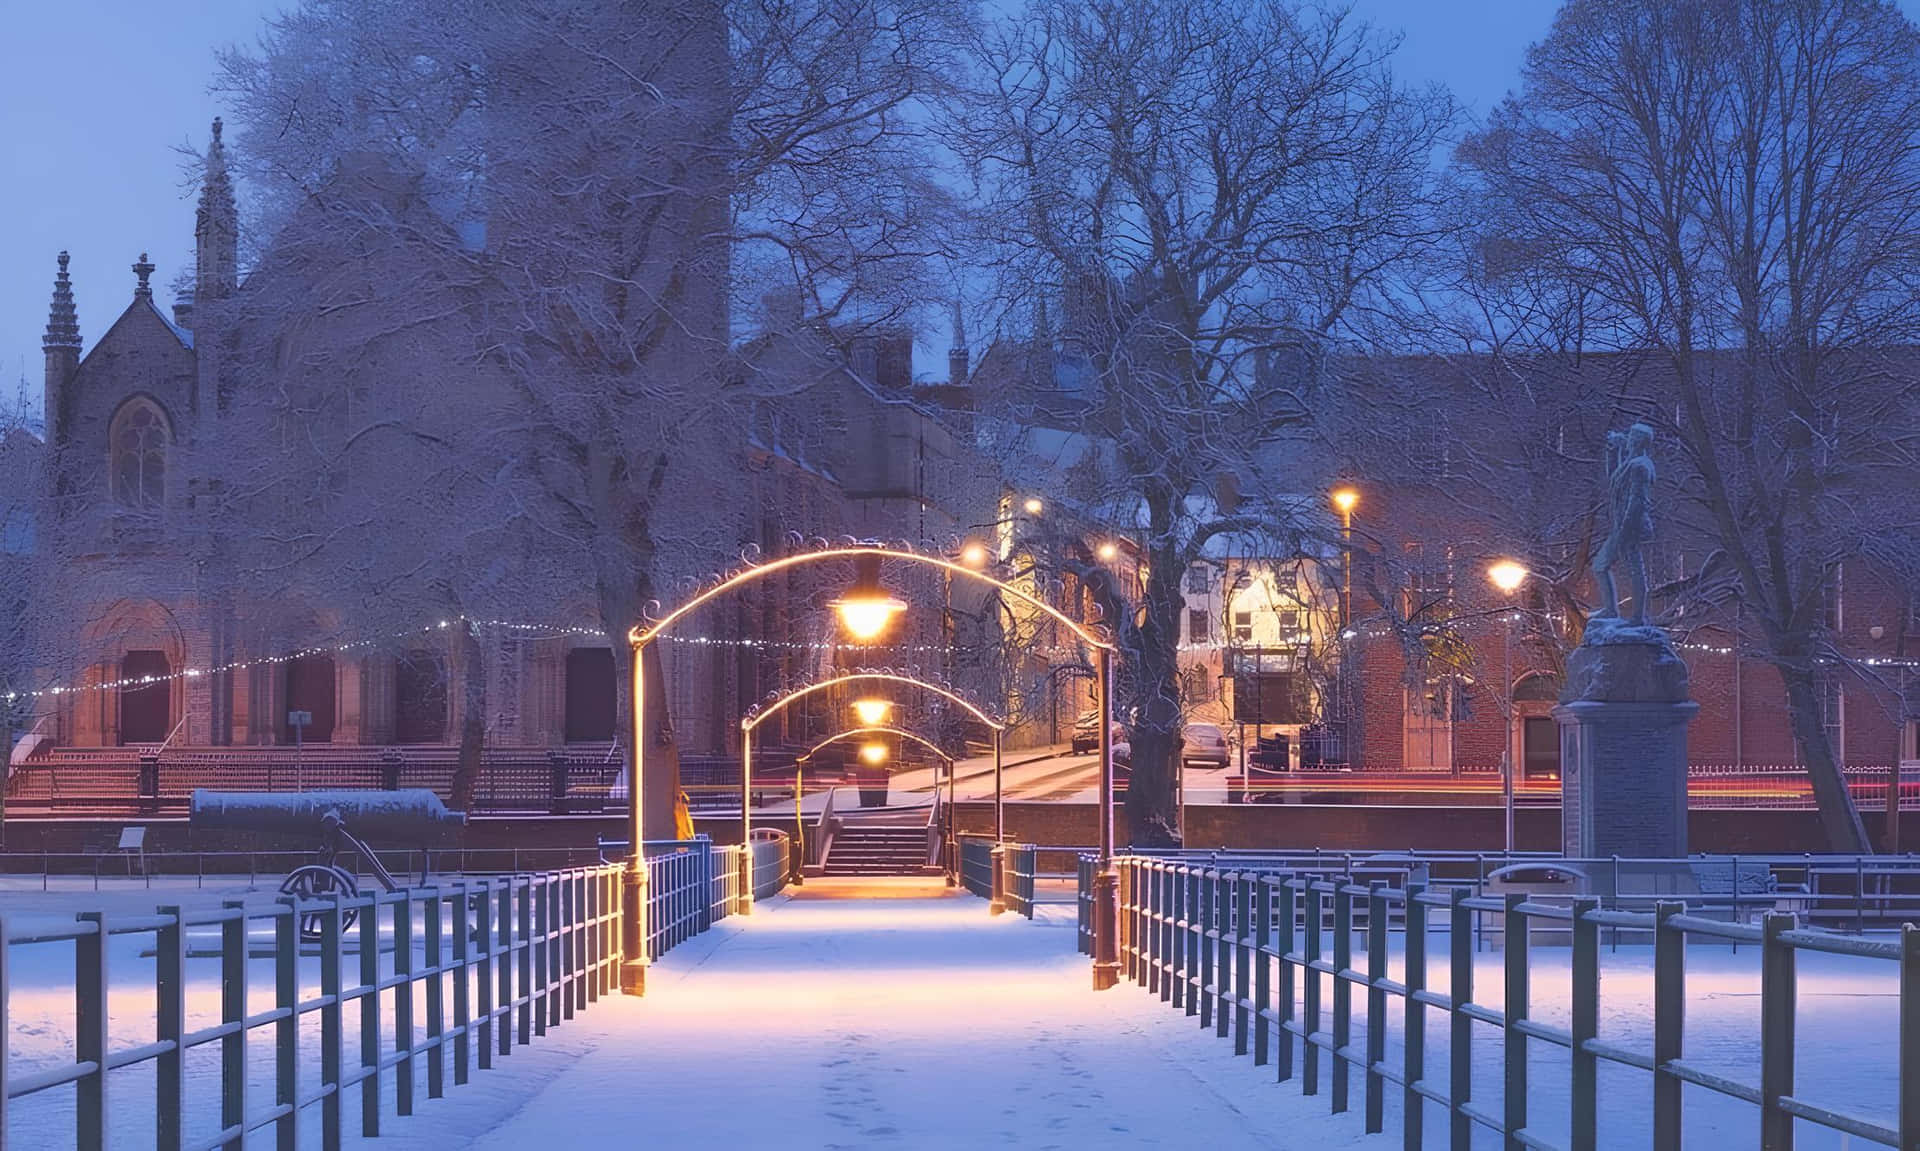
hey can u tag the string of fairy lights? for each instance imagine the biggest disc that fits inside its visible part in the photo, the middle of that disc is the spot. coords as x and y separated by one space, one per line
558 631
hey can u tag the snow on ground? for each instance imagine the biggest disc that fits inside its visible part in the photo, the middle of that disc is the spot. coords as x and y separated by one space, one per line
913 1022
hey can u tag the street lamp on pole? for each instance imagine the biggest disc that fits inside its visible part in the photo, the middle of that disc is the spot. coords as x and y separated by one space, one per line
1507 576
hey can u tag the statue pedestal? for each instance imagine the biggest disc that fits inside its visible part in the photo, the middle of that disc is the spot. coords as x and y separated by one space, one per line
1623 718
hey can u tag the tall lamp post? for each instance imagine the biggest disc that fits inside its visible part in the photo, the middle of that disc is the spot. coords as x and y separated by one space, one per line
1507 576
1346 498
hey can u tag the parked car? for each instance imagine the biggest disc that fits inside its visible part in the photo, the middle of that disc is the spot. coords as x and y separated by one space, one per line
1086 733
1203 743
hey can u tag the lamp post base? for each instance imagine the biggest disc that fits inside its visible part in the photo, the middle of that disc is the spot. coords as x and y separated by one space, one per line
1106 928
633 932
997 903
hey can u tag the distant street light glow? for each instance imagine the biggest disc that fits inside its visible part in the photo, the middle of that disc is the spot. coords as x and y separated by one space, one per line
1507 576
973 555
873 754
1107 551
1345 499
1034 506
872 711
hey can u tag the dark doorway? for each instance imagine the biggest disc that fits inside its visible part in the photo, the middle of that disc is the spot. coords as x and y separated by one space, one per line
310 689
145 711
590 695
420 703
1540 747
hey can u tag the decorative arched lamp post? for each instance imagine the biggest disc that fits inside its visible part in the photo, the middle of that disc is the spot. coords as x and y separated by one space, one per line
633 934
780 703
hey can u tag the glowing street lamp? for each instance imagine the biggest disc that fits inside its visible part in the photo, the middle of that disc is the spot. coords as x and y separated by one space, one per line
1033 506
1507 576
872 712
1107 551
873 754
867 608
1345 499
974 555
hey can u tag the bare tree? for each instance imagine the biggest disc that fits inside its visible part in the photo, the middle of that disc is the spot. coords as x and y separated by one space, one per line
1210 198
1729 192
587 178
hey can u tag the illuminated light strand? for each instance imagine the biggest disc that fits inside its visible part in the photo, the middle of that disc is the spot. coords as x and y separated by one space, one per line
122 684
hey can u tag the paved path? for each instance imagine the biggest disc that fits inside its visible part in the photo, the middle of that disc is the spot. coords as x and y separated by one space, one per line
887 1014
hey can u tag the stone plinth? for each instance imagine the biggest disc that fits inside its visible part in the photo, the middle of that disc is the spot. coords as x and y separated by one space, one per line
1623 717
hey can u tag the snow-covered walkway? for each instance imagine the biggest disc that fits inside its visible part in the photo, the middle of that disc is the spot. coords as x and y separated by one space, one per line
877 1014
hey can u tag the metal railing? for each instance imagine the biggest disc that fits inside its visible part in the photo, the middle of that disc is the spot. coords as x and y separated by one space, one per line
1233 946
1021 870
492 962
976 865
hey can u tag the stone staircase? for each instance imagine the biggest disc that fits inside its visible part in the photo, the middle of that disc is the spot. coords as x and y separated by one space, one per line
879 849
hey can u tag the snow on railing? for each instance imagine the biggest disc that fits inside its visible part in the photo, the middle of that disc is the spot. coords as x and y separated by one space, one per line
487 962
1273 953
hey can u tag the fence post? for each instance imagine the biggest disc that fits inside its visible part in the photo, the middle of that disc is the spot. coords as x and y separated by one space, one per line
332 1034
1283 917
1376 1087
1208 906
1586 1026
286 1032
461 937
233 1012
369 926
1223 907
170 1001
1243 958
436 995
1310 988
1909 1037
483 976
1262 966
1777 1002
503 922
1461 942
90 1033
1669 1011
1414 1044
523 890
1342 989
403 1002
1517 938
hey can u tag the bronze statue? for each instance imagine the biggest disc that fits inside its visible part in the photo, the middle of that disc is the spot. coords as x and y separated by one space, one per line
1630 499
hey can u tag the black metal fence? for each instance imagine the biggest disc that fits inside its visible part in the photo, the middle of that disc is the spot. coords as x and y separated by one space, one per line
1267 956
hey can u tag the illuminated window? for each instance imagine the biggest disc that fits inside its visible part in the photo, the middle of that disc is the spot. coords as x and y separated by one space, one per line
139 447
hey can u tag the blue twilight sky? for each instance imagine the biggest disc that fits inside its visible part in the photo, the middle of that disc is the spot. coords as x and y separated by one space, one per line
97 95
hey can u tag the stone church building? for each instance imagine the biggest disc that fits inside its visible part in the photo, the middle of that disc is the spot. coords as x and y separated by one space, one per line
155 642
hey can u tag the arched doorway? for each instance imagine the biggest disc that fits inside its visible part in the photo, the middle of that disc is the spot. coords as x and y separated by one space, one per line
420 698
1533 700
310 689
592 712
146 714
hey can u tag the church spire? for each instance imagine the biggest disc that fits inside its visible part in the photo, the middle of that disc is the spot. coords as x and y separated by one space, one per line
63 322
216 229
62 347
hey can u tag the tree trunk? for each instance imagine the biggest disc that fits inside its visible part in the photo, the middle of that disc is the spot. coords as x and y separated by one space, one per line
1153 816
473 719
1839 818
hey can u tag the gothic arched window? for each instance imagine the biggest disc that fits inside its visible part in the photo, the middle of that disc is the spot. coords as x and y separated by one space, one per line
139 444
